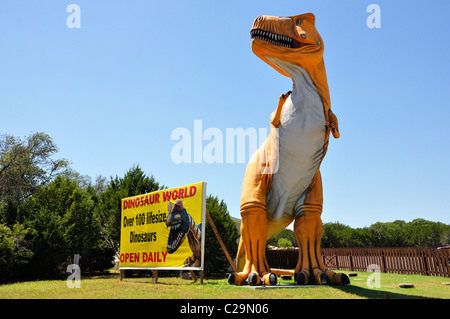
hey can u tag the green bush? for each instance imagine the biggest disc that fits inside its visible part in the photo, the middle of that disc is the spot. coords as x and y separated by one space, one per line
284 243
14 253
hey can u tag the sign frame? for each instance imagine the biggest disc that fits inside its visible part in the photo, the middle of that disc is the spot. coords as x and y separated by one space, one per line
171 199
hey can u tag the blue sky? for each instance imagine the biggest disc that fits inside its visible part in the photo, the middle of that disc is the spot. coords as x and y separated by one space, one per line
111 93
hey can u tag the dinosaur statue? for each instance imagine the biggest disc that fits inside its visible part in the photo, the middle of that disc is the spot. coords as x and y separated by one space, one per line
182 225
282 181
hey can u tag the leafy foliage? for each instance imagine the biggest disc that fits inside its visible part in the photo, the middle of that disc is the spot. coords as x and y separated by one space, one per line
284 242
286 234
25 165
14 253
417 233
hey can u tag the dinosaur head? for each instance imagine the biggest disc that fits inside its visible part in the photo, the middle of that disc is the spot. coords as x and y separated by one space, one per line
290 39
178 221
294 40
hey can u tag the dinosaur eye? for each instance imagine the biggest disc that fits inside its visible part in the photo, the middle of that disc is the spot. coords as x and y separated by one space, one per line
303 36
299 21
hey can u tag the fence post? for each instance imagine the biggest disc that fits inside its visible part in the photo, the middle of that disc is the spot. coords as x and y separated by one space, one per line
351 259
336 257
425 264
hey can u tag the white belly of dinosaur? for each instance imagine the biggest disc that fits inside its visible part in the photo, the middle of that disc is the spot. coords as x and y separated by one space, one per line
301 150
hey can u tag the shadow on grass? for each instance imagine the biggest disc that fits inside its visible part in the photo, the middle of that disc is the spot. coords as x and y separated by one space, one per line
375 294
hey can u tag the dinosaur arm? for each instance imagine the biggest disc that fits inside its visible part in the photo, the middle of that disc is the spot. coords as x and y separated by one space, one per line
333 124
275 116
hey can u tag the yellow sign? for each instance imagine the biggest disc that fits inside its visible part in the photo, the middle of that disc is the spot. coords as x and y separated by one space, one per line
164 229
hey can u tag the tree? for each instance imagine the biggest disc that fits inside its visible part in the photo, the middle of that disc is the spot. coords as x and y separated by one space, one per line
25 165
389 234
215 259
445 239
336 235
62 223
424 233
284 243
14 253
83 232
417 233
287 234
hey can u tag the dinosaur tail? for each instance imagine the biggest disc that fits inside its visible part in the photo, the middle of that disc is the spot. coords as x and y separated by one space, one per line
282 272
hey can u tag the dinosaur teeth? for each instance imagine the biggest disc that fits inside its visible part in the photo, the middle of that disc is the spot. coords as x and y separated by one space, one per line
276 39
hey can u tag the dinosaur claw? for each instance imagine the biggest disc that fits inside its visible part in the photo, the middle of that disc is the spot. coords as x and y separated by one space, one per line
253 279
323 279
337 279
301 278
269 279
344 279
236 278
273 279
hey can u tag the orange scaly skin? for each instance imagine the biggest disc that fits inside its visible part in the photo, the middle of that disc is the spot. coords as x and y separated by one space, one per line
296 43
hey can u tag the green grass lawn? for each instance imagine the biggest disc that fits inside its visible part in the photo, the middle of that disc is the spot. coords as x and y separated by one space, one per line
110 287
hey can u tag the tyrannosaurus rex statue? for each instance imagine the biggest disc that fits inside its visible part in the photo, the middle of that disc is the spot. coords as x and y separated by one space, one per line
282 181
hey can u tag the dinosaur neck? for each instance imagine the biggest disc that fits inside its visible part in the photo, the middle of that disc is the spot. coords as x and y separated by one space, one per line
303 86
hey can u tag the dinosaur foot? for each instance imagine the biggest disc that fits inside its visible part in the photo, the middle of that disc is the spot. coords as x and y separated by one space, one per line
318 277
315 277
269 279
235 279
253 279
340 279
310 268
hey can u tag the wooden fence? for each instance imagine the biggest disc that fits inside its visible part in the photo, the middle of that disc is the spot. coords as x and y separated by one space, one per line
404 260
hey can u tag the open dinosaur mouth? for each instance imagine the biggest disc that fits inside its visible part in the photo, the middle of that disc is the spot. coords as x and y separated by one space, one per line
179 227
276 39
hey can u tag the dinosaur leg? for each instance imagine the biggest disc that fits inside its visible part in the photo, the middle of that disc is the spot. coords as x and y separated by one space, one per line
254 229
255 222
240 257
308 230
241 260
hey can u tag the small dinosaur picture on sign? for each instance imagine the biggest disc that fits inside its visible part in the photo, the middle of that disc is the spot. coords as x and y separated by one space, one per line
182 225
